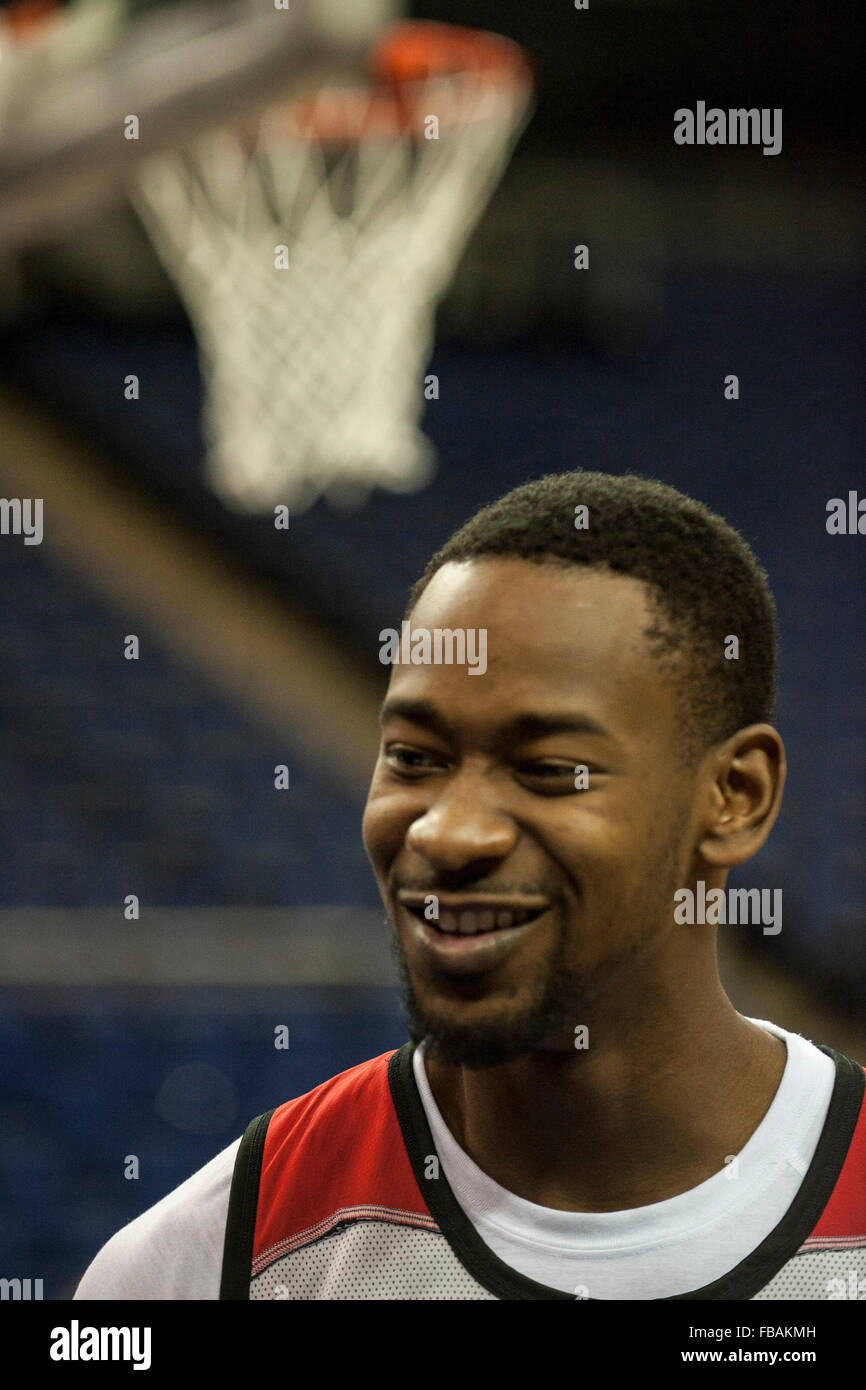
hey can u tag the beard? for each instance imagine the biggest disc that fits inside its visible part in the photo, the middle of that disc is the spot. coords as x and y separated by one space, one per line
565 992
477 1044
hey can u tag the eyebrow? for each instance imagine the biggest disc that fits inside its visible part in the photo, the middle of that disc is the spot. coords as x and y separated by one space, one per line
522 728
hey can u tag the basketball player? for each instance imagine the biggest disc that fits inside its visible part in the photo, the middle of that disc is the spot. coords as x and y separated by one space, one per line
580 1111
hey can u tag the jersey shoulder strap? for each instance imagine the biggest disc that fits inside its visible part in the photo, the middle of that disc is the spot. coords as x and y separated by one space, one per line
844 1216
243 1206
333 1154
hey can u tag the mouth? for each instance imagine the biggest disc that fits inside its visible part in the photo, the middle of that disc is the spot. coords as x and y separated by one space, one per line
476 916
469 937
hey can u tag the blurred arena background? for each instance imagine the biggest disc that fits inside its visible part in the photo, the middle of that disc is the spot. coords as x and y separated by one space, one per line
155 1037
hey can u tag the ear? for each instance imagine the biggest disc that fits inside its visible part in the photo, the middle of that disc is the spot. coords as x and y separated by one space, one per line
744 779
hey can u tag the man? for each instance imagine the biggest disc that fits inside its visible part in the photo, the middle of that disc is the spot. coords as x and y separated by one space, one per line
580 1112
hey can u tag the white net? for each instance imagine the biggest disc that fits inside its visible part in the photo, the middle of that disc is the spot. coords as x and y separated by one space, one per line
311 268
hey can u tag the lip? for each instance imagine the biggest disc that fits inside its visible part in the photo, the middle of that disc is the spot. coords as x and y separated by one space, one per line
473 902
467 955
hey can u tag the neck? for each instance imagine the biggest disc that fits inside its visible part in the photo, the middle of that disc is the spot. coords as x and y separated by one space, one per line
645 1113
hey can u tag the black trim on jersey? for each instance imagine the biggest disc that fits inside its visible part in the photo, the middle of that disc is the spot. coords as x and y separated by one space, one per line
742 1282
243 1208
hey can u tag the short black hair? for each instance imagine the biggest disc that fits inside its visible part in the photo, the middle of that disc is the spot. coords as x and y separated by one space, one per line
704 583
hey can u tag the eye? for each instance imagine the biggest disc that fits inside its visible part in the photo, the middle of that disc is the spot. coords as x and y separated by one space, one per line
404 759
548 771
556 777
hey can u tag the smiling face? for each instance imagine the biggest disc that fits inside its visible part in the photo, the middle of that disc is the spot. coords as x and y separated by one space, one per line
473 802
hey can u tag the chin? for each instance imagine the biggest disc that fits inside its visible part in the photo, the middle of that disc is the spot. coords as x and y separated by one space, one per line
474 1054
477 1044
482 1032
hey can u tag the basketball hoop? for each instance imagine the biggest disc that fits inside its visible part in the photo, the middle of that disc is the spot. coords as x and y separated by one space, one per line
311 253
25 22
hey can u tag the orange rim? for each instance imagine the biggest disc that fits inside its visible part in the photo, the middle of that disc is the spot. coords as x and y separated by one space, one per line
402 64
418 49
27 18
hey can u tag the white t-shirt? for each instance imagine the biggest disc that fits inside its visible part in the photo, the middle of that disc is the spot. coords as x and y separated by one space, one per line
174 1249
668 1247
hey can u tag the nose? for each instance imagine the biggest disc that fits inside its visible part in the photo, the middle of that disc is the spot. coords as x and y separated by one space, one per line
461 827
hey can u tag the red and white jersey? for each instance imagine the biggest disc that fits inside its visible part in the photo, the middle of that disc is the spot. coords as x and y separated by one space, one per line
339 1194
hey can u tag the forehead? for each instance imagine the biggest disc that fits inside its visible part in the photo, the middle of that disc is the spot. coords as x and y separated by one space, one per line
557 637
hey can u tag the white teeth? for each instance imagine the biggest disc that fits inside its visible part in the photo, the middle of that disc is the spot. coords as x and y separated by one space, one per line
465 923
470 921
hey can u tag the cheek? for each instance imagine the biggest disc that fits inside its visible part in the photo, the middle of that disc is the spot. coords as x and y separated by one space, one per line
384 824
371 832
602 847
